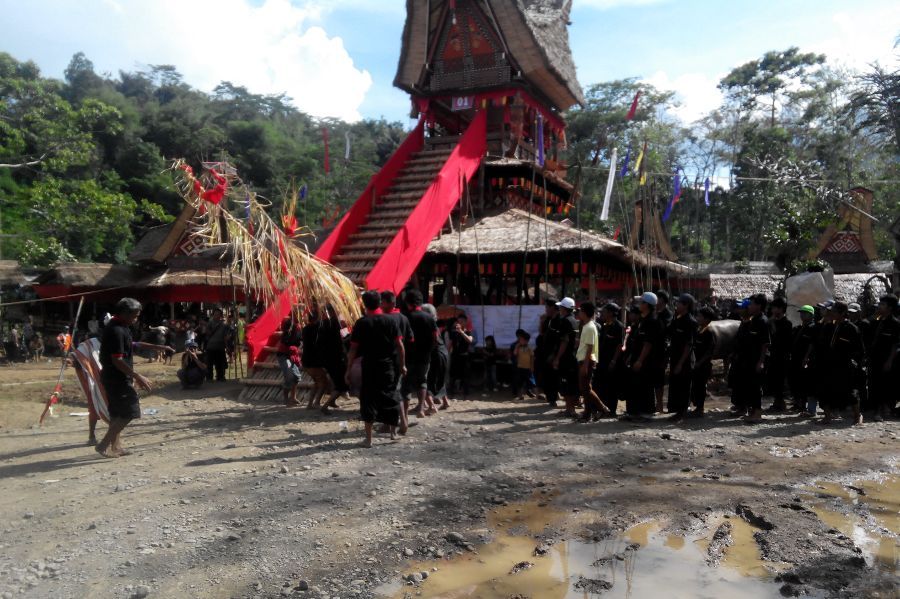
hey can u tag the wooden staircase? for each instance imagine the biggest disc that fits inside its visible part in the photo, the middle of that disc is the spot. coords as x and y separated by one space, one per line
358 256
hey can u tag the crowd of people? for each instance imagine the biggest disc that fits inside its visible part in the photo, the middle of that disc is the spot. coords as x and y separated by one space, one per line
659 359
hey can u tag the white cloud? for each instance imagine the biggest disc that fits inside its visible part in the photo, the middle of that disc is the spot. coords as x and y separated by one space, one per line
862 37
268 47
696 93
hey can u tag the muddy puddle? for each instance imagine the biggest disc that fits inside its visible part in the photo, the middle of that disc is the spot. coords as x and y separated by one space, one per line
866 511
643 561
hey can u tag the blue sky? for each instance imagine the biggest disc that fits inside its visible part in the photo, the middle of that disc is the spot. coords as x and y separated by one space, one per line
338 57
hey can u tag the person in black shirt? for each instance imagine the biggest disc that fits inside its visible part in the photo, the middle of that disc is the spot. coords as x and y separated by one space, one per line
748 363
548 347
782 332
439 365
704 349
540 344
313 361
607 375
418 357
646 361
799 373
844 354
331 347
377 339
389 308
682 331
461 340
884 367
564 363
216 346
665 316
118 376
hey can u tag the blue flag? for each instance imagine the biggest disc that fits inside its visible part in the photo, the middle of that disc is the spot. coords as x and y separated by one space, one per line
624 170
540 139
676 195
706 192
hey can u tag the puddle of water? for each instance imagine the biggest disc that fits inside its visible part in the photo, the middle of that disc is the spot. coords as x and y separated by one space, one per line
878 536
665 564
743 554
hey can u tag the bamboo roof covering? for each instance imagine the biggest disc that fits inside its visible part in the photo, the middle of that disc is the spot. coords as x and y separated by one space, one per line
516 231
102 275
847 287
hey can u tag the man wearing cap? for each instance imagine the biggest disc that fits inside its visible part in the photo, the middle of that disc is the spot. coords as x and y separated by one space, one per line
782 331
884 366
800 369
749 362
682 331
608 375
845 354
646 360
563 363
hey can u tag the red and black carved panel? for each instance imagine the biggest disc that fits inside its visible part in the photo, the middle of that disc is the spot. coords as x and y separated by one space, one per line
845 242
469 53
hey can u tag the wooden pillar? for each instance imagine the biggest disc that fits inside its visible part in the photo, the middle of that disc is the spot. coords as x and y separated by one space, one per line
172 310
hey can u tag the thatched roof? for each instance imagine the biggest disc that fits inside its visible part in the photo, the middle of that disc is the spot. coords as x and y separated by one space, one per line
515 231
535 32
148 245
847 287
11 274
739 286
106 276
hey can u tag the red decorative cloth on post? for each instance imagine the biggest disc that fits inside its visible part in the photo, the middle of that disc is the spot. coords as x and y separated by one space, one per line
214 195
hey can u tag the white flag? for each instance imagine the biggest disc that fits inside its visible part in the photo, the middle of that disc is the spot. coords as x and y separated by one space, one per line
604 214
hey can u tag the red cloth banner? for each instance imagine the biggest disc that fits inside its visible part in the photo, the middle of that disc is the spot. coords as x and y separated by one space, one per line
634 105
400 258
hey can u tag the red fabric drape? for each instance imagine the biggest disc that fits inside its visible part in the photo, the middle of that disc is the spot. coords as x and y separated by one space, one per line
378 184
402 256
259 331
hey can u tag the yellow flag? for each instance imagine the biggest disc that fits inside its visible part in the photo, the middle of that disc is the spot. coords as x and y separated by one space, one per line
640 159
643 178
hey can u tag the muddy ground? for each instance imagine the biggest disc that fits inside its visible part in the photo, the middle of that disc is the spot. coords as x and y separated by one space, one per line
225 499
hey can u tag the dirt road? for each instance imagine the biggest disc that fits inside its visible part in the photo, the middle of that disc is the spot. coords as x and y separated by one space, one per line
223 499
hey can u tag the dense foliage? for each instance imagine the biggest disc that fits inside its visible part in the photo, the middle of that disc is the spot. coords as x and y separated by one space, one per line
790 138
82 161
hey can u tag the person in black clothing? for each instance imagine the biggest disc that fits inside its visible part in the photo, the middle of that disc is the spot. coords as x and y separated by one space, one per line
540 342
884 367
646 360
844 354
782 333
548 346
334 355
800 372
682 331
418 358
564 363
819 357
313 361
215 349
439 365
118 376
749 360
665 316
378 340
461 340
606 375
704 348
389 308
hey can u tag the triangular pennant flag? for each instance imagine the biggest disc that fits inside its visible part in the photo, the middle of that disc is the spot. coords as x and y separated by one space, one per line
624 170
706 192
676 195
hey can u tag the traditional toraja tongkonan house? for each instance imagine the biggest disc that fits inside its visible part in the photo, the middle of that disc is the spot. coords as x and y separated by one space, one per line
168 265
849 245
489 81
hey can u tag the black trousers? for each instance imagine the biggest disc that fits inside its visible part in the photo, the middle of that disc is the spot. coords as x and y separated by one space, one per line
799 381
679 390
551 384
746 388
607 385
776 373
884 387
640 394
699 381
218 361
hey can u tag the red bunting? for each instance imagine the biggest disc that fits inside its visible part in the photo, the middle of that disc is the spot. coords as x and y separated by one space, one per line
289 222
615 236
214 195
634 105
